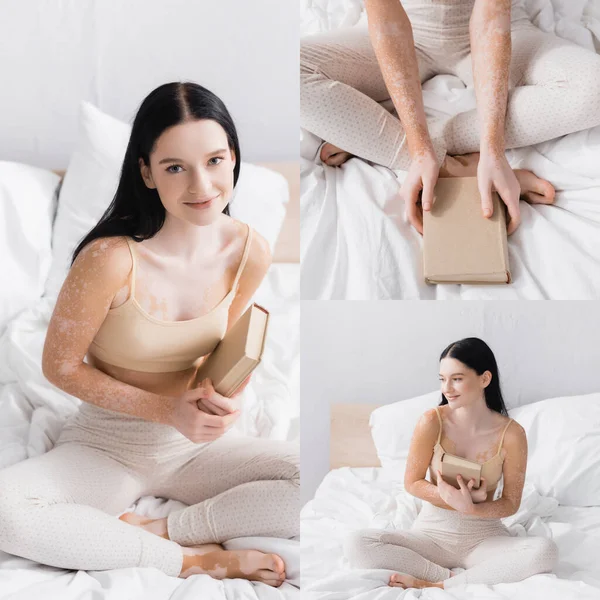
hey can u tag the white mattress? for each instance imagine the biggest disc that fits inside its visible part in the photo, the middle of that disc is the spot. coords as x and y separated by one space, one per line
33 413
351 499
357 245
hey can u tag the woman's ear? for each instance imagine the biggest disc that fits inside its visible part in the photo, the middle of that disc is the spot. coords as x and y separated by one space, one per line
486 378
146 174
233 158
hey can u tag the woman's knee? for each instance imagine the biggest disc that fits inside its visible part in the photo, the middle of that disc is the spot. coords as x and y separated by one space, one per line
358 548
13 504
545 554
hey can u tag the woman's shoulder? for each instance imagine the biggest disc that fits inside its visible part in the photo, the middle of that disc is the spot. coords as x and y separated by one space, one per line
109 257
429 421
258 252
514 432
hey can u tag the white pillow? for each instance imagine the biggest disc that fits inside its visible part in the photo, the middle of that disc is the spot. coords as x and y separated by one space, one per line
92 178
26 211
563 436
392 427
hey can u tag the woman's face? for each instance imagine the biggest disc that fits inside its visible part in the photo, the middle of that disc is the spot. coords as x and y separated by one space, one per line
460 384
191 167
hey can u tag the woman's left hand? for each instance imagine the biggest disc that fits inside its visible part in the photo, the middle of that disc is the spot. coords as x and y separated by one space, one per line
217 404
494 173
214 403
460 500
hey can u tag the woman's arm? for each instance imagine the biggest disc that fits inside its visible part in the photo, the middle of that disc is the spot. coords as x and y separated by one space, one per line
491 52
419 458
391 35
100 270
513 470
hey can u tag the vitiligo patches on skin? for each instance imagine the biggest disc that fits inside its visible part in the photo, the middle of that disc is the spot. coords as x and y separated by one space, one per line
491 54
392 39
245 564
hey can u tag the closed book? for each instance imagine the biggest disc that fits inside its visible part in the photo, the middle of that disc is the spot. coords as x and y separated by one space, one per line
237 354
460 245
455 465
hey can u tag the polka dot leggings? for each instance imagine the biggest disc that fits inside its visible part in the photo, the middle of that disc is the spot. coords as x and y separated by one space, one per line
61 508
554 90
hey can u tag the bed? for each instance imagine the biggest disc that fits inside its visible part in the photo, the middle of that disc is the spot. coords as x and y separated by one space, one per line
364 490
355 247
33 411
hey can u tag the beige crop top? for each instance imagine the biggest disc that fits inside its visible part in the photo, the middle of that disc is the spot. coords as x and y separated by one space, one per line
131 338
491 470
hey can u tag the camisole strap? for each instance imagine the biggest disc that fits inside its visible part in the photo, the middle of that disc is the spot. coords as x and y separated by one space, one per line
437 412
244 258
502 438
130 243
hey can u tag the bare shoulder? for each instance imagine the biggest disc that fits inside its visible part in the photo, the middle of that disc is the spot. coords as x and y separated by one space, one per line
428 423
259 254
107 258
515 435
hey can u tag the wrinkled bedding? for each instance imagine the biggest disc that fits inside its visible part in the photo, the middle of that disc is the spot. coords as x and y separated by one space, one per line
350 499
356 243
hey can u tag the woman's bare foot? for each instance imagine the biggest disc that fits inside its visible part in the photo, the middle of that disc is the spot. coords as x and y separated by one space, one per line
235 564
333 156
408 581
156 526
533 189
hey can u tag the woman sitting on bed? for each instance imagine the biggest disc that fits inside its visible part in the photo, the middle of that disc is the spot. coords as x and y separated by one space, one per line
461 527
152 288
530 87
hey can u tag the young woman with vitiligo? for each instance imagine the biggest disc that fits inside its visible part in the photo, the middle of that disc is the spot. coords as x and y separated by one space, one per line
152 289
461 527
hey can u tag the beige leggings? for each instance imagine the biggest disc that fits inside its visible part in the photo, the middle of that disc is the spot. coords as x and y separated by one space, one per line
61 508
442 540
554 90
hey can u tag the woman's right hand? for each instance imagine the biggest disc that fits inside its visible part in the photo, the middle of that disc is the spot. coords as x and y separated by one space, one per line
480 494
421 179
196 425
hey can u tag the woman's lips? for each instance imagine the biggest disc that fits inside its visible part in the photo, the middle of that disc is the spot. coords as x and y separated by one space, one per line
200 204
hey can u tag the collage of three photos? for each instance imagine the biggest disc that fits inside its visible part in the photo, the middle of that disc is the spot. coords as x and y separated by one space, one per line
300 301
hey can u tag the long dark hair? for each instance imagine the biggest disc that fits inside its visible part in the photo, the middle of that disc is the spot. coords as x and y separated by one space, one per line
136 210
477 355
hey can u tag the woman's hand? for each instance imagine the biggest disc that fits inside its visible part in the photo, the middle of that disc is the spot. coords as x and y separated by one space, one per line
214 403
494 173
421 178
480 494
198 425
460 500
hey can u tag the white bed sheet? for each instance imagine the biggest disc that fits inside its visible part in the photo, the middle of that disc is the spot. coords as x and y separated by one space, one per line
350 499
356 243
33 412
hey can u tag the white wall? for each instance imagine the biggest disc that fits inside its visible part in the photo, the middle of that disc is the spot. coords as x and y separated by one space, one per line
55 53
382 352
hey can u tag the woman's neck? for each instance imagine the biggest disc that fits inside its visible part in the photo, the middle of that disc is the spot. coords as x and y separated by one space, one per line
472 417
186 241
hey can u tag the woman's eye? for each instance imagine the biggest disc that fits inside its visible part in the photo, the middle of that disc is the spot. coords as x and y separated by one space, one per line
215 160
170 169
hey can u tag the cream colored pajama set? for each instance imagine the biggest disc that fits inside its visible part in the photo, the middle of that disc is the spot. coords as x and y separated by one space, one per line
442 539
61 508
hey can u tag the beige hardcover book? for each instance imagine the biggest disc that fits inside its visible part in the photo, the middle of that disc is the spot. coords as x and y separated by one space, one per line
459 244
467 469
237 354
